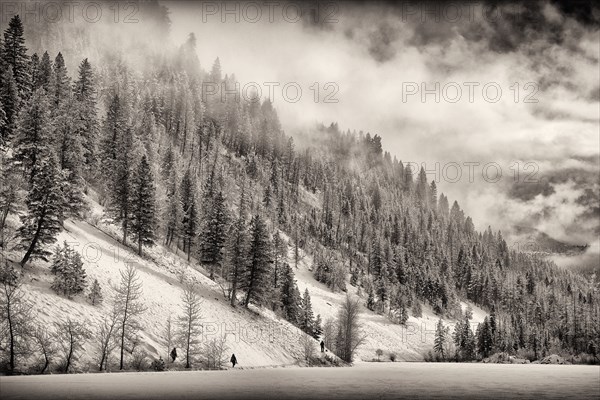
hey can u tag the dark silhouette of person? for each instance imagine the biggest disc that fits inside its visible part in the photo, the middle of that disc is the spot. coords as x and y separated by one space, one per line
233 360
173 354
322 346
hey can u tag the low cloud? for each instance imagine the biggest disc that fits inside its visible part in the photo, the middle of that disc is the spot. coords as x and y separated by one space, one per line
543 56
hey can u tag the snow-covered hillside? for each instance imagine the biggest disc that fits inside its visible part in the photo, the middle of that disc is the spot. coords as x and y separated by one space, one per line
257 337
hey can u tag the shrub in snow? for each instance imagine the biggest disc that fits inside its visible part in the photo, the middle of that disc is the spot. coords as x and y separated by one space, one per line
139 360
95 295
158 365
214 353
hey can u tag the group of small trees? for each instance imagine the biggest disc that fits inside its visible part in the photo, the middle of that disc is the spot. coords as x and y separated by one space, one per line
21 337
62 343
69 275
463 344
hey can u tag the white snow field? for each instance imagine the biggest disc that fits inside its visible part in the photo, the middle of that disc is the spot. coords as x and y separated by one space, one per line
365 381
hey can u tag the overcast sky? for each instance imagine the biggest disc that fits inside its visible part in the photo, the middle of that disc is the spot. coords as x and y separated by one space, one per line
378 56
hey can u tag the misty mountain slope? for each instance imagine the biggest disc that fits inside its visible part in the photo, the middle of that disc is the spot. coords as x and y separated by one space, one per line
257 340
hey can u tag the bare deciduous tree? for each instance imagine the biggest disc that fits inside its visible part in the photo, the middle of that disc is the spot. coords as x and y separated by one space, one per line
106 342
189 326
70 335
15 318
214 353
46 345
169 336
329 332
128 306
308 347
349 335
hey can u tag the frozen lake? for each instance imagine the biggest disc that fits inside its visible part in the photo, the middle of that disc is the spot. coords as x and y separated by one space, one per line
374 381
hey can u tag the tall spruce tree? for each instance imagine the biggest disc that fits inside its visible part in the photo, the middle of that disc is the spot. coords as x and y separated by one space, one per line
86 118
259 263
290 296
212 237
15 55
9 97
44 78
190 212
34 134
143 210
173 213
45 203
121 187
441 339
70 152
307 319
237 248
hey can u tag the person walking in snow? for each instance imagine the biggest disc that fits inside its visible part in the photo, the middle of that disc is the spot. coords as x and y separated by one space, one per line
322 346
173 354
233 360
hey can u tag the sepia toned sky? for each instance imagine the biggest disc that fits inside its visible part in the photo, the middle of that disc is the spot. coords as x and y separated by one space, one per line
543 137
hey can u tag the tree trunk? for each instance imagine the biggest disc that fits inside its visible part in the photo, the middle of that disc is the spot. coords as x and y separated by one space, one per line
140 246
233 294
69 358
125 231
12 337
4 215
46 363
33 242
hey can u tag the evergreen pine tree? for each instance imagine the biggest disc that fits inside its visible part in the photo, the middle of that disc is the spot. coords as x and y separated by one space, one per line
143 211
441 337
174 210
85 112
370 298
289 299
70 156
95 296
484 338
61 91
34 133
45 203
259 263
10 100
237 248
121 187
190 213
212 237
70 277
307 317
44 78
15 55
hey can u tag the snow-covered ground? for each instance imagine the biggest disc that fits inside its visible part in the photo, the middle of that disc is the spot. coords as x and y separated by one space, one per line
256 339
374 381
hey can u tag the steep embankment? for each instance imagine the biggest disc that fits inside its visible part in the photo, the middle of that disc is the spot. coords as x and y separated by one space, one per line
256 339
